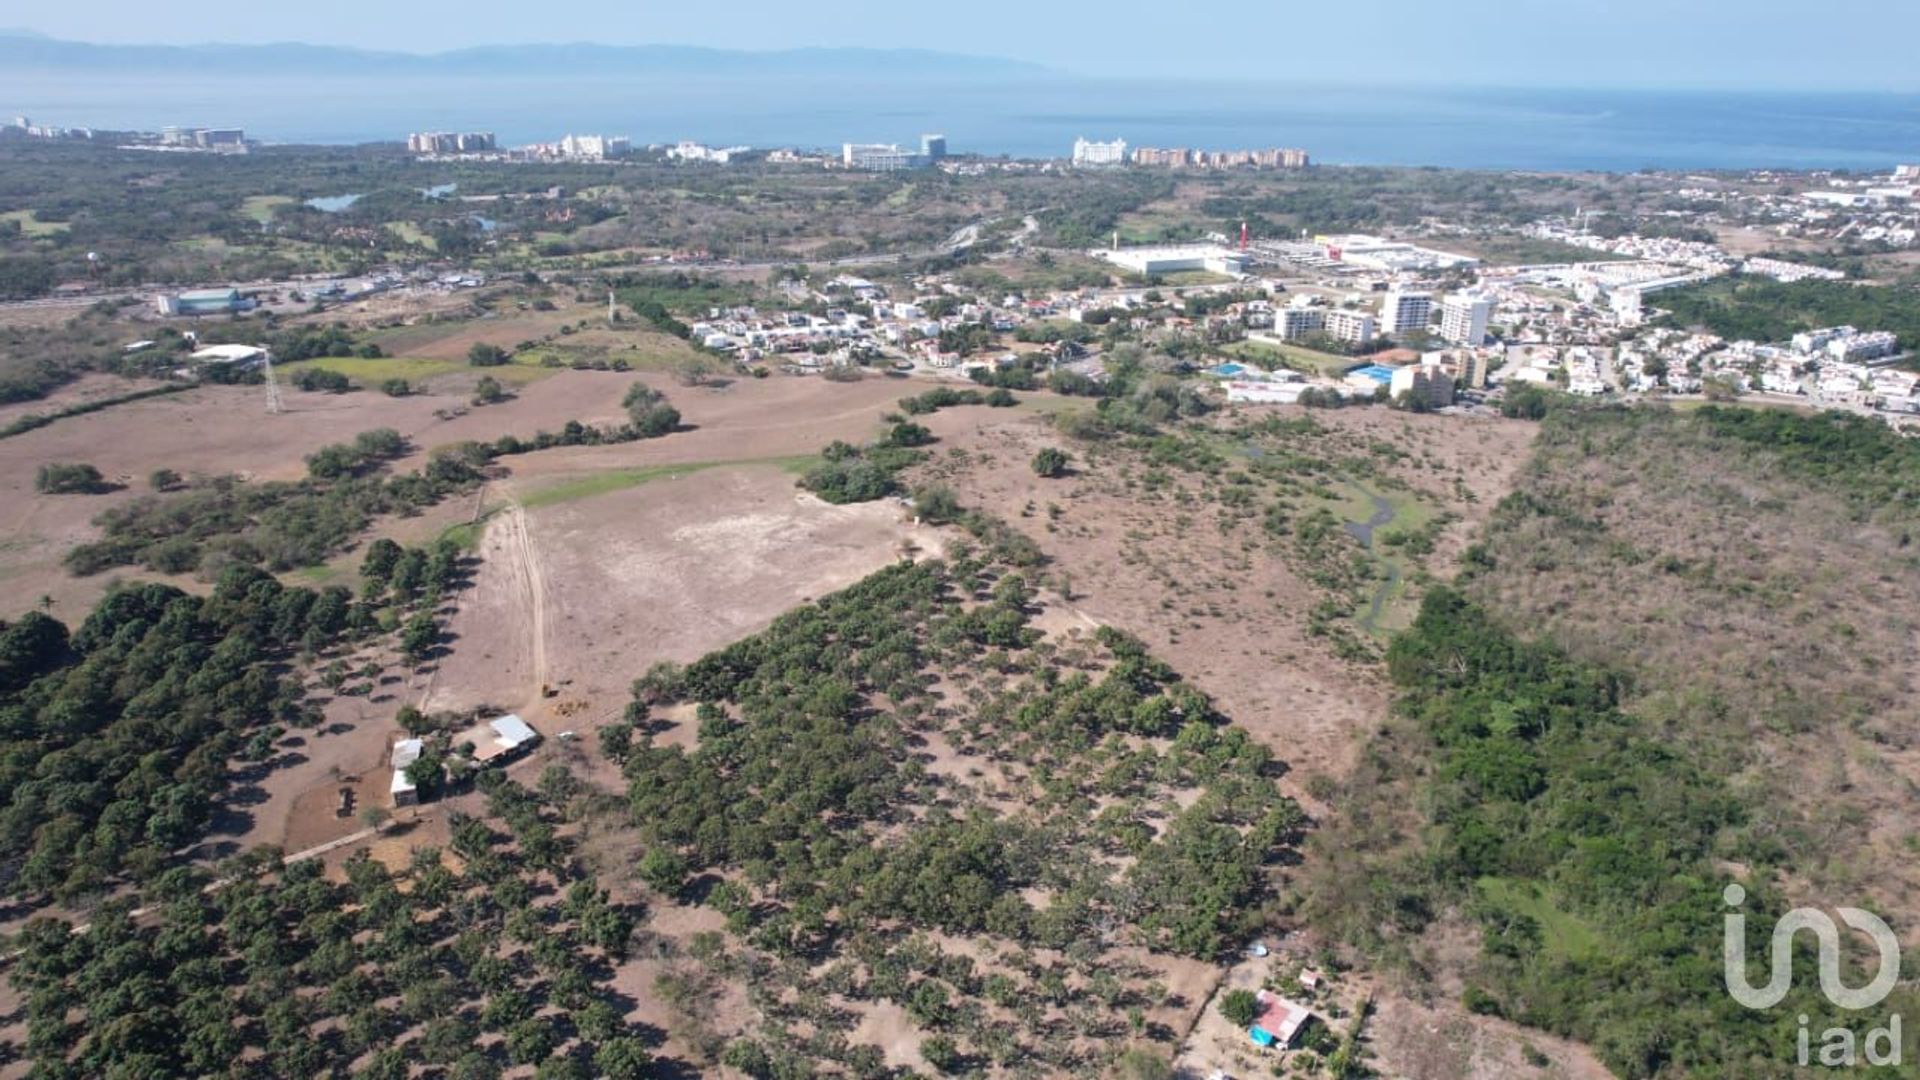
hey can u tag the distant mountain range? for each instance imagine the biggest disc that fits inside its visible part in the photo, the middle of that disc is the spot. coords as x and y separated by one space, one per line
26 50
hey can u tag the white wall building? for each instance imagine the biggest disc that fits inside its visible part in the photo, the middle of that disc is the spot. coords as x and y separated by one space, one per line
1290 323
1265 393
1210 258
588 147
879 157
404 791
1088 154
1405 311
1421 382
1464 318
1354 327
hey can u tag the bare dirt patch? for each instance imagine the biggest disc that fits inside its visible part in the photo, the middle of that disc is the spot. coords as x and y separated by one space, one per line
452 340
585 595
216 430
1422 1043
81 391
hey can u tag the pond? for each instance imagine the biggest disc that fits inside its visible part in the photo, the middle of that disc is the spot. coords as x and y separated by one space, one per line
333 204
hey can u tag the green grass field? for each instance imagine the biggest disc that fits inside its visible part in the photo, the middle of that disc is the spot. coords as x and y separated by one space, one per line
410 233
32 226
1562 935
371 373
1306 361
261 208
603 483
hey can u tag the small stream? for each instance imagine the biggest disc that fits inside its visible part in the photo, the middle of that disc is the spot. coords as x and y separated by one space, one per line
1365 531
1382 515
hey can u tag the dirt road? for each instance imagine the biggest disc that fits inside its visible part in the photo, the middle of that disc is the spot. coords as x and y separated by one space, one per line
526 570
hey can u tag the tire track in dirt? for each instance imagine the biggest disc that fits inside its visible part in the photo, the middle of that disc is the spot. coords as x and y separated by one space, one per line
523 562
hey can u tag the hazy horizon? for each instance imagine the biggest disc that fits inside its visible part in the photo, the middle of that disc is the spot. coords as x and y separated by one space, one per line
1750 45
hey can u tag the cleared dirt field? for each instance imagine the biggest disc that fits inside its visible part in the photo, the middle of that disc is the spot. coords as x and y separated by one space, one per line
585 595
86 388
740 420
222 429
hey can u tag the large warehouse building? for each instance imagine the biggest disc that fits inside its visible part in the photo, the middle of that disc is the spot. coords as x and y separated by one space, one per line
1210 258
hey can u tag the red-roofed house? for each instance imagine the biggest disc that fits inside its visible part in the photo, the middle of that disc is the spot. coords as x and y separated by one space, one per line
1279 1021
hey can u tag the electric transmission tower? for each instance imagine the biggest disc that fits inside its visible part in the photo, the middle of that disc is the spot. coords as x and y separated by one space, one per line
274 405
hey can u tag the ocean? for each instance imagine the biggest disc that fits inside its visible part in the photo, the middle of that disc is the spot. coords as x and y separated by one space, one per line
1610 130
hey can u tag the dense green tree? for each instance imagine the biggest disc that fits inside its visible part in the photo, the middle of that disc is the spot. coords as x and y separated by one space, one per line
1239 1007
1051 462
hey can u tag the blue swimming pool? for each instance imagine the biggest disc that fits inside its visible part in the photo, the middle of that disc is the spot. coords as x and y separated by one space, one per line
1379 373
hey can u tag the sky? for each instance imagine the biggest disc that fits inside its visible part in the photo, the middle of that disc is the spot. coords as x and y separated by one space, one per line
1746 44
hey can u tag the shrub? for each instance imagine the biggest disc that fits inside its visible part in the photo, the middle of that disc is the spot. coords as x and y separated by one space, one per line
648 409
68 478
940 1052
908 433
1050 462
485 355
320 380
850 480
936 505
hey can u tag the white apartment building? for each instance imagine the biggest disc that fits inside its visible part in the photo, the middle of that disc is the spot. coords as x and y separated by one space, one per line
1421 382
1403 311
1354 327
1855 348
594 147
879 157
1088 154
1464 318
1290 323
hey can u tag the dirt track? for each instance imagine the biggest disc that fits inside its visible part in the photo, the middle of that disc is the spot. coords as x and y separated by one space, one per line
521 562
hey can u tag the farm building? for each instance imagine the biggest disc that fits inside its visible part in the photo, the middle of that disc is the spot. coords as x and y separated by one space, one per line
202 302
405 753
1279 1021
499 740
241 356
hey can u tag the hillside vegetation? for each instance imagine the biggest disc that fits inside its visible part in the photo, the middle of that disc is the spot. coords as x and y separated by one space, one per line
1757 309
1719 694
